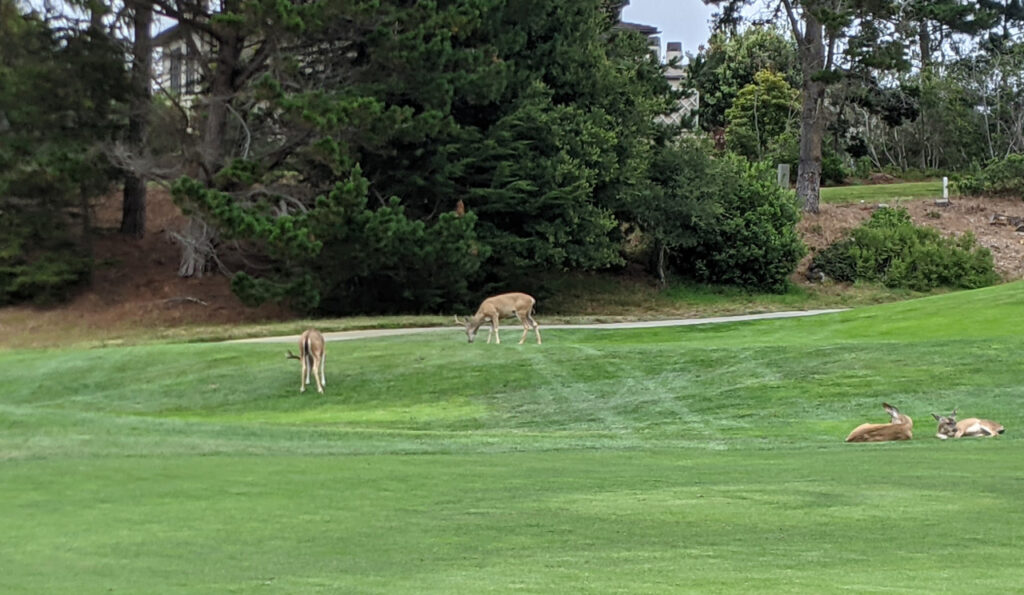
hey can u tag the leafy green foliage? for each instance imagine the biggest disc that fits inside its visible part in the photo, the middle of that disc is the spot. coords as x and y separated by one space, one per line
750 240
890 249
762 122
682 199
862 167
1001 177
833 170
730 63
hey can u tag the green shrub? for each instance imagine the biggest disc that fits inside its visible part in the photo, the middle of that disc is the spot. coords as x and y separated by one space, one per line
49 279
751 240
968 185
891 250
832 169
1005 176
1001 177
862 169
837 261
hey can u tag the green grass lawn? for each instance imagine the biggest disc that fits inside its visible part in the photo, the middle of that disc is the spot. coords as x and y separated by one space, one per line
695 459
875 193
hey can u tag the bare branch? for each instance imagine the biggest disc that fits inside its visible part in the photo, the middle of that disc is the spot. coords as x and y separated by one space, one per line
245 127
793 22
184 298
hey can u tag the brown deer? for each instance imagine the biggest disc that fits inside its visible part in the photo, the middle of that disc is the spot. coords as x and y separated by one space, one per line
496 307
311 352
949 427
899 429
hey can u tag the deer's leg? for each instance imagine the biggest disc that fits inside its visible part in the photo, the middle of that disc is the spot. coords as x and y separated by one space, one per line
317 373
526 328
536 327
323 380
494 325
304 375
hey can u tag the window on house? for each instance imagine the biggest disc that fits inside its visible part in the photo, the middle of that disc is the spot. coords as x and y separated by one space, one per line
191 72
175 72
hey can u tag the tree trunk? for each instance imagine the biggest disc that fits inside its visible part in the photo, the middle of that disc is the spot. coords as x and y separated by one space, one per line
661 265
812 130
924 41
812 114
133 211
221 93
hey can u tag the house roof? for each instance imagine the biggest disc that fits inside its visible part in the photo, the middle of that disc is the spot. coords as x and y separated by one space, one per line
647 30
168 35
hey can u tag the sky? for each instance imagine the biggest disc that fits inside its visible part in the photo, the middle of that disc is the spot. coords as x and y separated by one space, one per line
678 20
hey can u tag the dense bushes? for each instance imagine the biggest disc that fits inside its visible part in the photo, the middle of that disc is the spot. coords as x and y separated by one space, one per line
1001 177
745 233
890 249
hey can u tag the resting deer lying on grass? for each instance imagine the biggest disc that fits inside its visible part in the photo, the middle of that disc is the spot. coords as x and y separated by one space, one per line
311 353
949 427
505 305
899 429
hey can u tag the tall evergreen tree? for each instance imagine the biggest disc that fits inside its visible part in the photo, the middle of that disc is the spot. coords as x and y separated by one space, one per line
61 97
533 114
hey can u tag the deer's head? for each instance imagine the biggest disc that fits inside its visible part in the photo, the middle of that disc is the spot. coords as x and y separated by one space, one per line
947 425
471 329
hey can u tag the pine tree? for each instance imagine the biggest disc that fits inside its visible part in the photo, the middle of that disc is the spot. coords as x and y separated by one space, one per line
62 94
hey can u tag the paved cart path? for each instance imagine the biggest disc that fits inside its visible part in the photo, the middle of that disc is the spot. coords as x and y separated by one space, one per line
512 325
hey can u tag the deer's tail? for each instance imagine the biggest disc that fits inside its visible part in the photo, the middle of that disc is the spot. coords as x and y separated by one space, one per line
307 353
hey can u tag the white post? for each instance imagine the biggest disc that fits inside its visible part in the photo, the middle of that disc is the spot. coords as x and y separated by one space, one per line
782 176
945 188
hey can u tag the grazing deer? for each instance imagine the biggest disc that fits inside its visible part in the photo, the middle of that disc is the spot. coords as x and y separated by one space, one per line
949 427
311 352
505 305
899 429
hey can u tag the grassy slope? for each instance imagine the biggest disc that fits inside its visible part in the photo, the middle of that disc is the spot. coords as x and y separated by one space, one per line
699 459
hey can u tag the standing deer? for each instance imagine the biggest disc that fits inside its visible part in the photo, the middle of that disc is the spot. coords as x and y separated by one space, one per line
311 352
899 429
949 427
505 305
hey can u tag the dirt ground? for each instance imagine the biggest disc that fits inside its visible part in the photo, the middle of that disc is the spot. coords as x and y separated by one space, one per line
136 283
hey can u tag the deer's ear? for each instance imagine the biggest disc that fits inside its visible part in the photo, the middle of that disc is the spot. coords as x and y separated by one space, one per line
937 417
